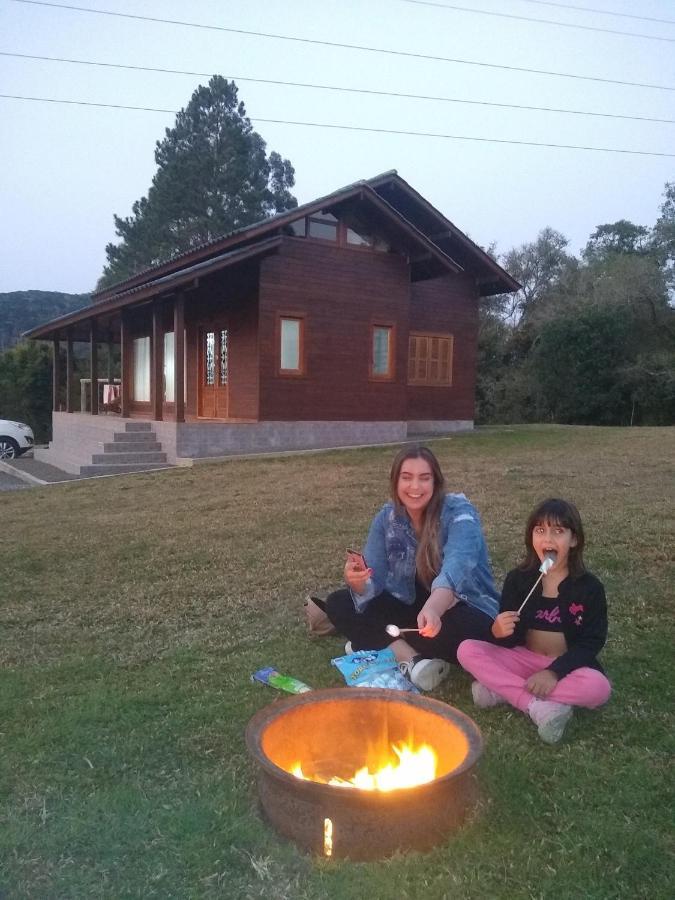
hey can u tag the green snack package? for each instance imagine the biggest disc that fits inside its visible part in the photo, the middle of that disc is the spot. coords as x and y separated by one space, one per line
282 682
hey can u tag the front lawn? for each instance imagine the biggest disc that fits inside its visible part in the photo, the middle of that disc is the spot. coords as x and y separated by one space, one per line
135 609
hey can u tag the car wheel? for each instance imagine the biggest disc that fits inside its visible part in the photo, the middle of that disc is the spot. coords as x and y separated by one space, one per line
9 449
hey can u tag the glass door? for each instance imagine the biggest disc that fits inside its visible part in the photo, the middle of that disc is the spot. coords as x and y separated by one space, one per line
213 372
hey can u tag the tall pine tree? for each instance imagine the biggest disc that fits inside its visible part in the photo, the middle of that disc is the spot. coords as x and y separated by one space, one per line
213 176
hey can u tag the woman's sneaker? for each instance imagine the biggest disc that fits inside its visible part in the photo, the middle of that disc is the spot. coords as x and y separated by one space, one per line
550 718
484 697
425 674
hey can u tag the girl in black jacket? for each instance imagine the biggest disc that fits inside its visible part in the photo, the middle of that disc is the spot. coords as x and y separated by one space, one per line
543 659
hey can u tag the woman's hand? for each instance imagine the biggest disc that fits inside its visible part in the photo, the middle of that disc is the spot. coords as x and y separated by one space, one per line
505 624
428 622
429 619
356 574
541 683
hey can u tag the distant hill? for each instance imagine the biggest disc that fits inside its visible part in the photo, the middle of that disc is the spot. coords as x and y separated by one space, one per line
22 310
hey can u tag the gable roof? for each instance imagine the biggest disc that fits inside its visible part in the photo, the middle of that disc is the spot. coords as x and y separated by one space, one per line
434 244
394 196
491 277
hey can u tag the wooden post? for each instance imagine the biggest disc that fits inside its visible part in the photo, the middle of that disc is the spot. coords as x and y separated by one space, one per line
179 356
69 375
125 351
56 374
93 367
111 368
157 366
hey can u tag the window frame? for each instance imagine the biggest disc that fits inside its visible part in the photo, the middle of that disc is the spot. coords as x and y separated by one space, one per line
390 374
302 333
415 381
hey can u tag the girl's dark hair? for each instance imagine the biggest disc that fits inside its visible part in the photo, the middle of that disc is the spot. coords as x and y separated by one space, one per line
428 559
556 512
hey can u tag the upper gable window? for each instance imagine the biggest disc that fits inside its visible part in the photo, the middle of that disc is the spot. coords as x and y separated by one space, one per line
322 225
298 228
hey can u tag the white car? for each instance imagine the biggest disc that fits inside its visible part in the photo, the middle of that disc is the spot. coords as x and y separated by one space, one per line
15 439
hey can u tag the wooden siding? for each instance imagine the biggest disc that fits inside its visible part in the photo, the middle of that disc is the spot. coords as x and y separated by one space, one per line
341 292
448 305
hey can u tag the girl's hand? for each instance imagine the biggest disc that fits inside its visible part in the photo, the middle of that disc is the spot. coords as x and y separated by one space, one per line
505 624
541 683
356 574
428 622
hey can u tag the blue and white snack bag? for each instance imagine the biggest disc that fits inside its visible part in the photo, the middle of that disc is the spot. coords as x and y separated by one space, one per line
373 668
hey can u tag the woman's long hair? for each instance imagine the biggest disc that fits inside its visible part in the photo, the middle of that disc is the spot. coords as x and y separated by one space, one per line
556 512
428 559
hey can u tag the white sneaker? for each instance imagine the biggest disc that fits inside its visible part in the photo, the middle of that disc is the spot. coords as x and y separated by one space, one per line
550 718
425 674
484 697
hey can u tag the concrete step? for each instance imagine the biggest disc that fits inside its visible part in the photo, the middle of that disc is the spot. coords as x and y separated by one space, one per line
136 457
138 436
131 446
121 469
138 426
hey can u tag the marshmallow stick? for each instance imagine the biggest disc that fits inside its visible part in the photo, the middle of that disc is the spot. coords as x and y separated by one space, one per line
520 608
549 562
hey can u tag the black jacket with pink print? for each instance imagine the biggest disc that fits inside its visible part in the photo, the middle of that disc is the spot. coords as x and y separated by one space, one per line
579 612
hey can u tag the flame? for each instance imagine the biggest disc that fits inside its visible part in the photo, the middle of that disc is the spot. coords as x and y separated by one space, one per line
411 767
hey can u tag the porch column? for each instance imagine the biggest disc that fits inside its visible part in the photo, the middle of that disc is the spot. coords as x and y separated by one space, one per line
157 366
125 368
111 368
56 374
179 356
93 367
69 375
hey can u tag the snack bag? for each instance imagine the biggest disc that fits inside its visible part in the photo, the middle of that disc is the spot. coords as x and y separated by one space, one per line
282 682
373 668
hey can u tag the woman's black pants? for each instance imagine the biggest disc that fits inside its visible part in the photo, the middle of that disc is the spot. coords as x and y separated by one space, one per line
366 630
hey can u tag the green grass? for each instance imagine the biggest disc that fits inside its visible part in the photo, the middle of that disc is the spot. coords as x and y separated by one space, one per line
135 610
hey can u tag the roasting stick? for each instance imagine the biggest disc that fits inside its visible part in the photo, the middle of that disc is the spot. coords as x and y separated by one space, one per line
548 563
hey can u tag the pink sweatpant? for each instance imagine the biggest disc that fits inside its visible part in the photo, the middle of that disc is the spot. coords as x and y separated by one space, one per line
506 669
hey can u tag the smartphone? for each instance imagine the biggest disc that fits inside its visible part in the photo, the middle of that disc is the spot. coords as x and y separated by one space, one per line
359 557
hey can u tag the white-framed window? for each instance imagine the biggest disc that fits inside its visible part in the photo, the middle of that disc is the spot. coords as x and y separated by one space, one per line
141 354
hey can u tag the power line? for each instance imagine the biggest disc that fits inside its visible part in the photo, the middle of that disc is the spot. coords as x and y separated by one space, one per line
402 53
501 15
340 88
428 134
603 12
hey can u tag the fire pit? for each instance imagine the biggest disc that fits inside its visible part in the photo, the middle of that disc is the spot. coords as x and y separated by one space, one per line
346 736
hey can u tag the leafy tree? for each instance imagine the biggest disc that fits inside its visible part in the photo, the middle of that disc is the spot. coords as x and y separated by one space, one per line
574 368
25 386
537 266
618 237
213 176
663 236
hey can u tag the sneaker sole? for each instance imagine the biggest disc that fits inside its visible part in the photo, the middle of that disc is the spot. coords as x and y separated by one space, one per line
482 697
430 675
551 732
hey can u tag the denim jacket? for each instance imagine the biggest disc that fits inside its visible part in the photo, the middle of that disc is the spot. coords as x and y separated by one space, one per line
465 568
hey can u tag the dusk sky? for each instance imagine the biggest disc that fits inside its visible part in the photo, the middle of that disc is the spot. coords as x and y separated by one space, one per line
66 168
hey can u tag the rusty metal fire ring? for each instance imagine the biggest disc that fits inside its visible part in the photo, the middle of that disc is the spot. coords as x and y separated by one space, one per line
328 729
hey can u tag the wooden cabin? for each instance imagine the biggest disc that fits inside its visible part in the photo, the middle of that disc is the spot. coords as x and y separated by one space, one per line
352 319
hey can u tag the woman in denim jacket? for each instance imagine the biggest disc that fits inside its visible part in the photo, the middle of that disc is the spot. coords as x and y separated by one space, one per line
425 566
